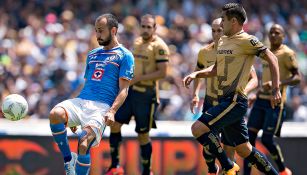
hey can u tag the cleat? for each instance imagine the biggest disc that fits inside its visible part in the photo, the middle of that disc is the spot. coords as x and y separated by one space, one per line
70 166
234 170
217 170
115 171
287 171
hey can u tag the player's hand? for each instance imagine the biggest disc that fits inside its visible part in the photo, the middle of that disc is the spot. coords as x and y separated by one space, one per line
267 85
194 103
73 129
276 97
251 99
188 79
109 118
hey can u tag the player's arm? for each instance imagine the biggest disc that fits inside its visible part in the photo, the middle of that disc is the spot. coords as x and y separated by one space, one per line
196 88
252 82
274 69
119 100
204 73
158 74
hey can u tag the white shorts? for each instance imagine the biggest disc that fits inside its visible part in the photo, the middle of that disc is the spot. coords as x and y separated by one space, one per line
86 113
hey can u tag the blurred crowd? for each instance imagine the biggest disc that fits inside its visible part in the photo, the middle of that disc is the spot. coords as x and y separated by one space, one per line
44 44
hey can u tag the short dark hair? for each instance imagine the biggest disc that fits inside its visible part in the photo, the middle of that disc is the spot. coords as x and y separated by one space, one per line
111 20
150 16
235 10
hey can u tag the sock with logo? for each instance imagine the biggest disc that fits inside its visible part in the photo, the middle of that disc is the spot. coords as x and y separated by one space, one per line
252 139
259 160
60 136
146 151
211 140
83 164
210 160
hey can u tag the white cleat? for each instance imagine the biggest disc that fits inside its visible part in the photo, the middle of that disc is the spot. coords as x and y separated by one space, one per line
70 166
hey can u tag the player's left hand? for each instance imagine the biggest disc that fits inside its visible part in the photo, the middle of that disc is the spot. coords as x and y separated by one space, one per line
109 118
188 79
276 97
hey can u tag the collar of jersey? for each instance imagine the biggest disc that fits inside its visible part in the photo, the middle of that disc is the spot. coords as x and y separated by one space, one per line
119 45
236 34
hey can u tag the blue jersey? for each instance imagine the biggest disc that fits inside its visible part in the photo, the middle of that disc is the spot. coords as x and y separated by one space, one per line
104 68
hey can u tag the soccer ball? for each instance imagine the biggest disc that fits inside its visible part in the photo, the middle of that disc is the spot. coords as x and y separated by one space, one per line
14 107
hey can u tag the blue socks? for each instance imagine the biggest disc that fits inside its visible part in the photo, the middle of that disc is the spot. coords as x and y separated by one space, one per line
83 164
60 136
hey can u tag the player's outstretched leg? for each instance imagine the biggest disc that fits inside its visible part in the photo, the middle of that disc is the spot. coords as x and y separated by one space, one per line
86 139
255 157
57 119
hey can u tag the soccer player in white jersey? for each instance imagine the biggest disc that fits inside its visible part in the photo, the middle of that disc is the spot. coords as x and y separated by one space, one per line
108 72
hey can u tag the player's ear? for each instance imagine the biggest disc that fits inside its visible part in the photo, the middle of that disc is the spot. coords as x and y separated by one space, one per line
113 30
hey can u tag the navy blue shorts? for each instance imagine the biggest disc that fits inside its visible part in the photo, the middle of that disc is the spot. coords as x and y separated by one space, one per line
142 104
228 117
264 117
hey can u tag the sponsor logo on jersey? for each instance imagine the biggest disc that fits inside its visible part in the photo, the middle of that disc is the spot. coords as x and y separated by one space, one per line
226 52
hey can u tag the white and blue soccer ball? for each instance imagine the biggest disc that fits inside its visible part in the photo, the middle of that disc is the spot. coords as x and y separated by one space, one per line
14 107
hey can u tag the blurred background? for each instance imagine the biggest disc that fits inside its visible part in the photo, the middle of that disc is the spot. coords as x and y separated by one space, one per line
44 43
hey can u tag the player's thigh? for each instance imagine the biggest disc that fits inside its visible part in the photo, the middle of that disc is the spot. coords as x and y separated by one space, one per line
224 114
235 134
144 113
273 120
124 113
256 117
73 110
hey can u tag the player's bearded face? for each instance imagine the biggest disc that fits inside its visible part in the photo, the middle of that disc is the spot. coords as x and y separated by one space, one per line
105 41
226 25
147 28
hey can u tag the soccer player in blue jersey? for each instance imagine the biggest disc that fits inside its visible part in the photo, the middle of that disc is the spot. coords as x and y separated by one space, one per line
108 72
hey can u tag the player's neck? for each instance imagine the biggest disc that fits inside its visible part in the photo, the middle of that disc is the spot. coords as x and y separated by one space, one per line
235 30
113 44
149 39
275 47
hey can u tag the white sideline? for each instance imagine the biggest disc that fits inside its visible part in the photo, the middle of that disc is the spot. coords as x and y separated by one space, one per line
40 127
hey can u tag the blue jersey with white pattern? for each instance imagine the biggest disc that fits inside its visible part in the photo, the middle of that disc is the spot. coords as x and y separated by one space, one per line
103 70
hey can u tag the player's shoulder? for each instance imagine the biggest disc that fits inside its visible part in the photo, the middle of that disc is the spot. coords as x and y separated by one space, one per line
94 50
158 41
124 51
287 50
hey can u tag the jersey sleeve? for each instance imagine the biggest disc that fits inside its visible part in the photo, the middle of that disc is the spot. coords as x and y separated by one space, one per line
162 52
127 67
291 62
86 72
252 46
200 59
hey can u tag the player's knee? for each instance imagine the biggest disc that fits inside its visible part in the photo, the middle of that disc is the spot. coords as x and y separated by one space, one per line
244 149
57 115
86 138
199 129
143 138
116 127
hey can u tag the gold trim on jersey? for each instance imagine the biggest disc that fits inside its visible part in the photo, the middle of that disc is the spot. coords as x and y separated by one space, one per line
222 114
138 88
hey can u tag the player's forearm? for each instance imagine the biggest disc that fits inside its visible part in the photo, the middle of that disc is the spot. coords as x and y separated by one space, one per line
196 87
293 80
119 100
208 72
251 85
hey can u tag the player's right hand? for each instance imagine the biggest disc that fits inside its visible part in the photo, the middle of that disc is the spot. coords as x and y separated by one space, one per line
188 79
194 104
109 118
276 97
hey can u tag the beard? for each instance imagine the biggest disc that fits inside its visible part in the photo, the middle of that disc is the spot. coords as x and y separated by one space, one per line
146 36
105 42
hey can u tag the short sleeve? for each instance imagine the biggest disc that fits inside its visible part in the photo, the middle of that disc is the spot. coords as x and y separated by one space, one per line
291 61
252 46
86 72
161 52
200 59
127 67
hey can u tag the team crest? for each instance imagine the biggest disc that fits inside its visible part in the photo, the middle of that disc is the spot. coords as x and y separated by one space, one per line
97 75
